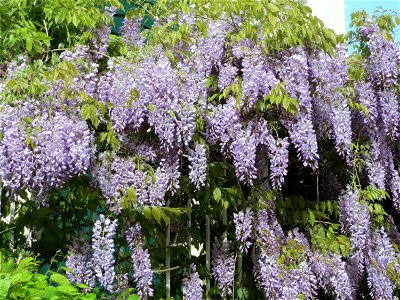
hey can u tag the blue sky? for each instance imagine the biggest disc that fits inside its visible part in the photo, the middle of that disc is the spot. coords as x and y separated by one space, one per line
370 5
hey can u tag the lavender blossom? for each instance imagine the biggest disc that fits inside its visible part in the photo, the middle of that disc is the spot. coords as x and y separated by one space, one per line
223 124
331 75
354 218
192 285
331 275
380 256
227 76
279 159
100 41
299 282
209 50
143 275
131 32
383 61
16 158
80 263
389 101
341 123
63 149
295 71
116 177
198 165
45 152
376 163
103 259
243 151
269 232
268 277
304 139
258 77
244 229
368 98
223 266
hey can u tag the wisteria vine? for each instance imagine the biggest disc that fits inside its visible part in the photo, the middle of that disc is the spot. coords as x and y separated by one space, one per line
150 126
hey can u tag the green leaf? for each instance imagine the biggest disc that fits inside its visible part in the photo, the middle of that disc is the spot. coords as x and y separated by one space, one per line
156 214
147 212
68 289
81 286
133 297
59 279
217 194
28 44
272 7
329 206
88 297
5 283
131 193
21 277
242 294
311 217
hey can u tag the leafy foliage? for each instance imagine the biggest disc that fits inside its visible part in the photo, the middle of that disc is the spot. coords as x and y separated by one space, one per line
20 279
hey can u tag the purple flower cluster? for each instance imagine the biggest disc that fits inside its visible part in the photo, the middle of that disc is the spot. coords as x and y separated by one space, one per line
368 98
43 151
269 232
384 56
79 260
303 137
142 273
223 123
295 71
381 256
300 281
258 77
131 32
223 266
268 276
227 75
331 275
63 149
16 158
331 75
209 50
244 229
192 285
279 160
115 177
355 219
243 151
103 260
100 41
389 102
198 165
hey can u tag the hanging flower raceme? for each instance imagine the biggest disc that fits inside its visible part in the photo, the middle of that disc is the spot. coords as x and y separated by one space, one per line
79 261
354 218
381 262
198 165
303 137
142 273
192 285
103 260
332 276
244 229
121 176
41 150
223 265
